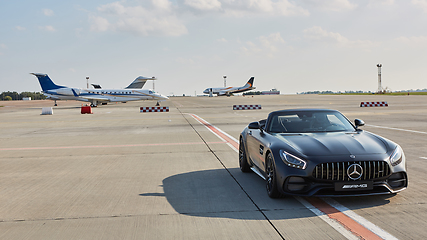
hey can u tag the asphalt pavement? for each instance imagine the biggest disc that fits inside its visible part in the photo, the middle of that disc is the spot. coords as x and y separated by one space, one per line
122 174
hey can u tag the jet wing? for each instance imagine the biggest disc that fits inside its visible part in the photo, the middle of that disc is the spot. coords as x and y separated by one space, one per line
91 97
221 93
52 97
97 98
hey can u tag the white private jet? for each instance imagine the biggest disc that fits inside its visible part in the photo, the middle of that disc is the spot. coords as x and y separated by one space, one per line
96 96
227 91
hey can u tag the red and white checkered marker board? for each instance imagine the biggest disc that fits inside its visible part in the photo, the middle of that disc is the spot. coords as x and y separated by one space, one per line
154 109
373 104
246 107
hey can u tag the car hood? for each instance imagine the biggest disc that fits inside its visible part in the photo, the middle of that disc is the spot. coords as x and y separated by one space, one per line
338 143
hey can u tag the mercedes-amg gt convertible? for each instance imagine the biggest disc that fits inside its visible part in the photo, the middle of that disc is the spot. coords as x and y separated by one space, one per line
319 152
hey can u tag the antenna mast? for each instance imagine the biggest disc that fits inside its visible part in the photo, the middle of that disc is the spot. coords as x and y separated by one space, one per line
380 88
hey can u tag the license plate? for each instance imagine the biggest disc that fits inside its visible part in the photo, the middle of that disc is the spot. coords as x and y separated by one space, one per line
354 186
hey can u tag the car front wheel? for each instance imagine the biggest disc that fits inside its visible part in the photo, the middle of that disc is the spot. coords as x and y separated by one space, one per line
243 161
272 189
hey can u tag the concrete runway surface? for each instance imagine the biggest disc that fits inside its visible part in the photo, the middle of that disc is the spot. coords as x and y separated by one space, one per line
122 174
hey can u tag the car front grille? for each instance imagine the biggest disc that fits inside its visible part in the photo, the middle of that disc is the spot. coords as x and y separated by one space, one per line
337 171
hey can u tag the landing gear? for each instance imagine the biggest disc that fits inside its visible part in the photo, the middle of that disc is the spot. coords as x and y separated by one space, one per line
55 104
158 103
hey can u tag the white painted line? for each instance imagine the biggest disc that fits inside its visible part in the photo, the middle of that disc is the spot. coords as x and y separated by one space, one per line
399 129
361 220
423 157
105 146
332 222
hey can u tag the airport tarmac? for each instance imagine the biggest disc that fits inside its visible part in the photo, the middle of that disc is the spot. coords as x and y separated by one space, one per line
122 174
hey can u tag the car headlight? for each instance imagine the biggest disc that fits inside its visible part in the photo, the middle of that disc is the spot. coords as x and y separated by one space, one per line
397 156
292 161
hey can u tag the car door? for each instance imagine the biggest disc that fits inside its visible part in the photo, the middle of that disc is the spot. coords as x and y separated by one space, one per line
256 147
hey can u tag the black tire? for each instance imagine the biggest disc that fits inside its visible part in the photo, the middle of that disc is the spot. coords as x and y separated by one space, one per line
243 160
272 190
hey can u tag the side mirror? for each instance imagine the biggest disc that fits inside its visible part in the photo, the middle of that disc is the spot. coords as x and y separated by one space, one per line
359 122
254 125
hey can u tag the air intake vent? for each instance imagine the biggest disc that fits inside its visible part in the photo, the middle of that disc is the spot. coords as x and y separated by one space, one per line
337 171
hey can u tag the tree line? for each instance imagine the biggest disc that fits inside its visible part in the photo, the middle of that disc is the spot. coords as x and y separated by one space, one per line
6 96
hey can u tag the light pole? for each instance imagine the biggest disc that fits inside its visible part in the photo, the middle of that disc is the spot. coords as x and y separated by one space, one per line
87 82
225 80
380 88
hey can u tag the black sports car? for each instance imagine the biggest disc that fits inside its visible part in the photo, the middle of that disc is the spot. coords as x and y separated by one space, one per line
319 152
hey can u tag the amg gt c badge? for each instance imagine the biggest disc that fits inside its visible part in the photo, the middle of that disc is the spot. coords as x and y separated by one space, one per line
354 171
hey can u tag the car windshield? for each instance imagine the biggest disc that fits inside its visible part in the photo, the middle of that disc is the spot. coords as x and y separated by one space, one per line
309 121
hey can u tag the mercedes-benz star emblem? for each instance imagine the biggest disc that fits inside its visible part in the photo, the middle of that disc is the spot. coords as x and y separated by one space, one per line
354 171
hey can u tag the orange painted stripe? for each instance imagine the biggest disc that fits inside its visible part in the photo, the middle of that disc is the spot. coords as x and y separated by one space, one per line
217 131
353 226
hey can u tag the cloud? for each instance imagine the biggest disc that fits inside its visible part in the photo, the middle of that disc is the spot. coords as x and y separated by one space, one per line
420 3
380 3
162 17
331 5
156 19
265 45
241 8
19 28
48 12
47 28
98 24
162 4
318 34
222 40
421 40
204 5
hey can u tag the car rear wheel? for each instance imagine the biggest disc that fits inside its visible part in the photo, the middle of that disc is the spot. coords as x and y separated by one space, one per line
272 189
243 161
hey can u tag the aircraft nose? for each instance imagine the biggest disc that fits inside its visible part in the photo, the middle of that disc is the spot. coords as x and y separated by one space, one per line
161 96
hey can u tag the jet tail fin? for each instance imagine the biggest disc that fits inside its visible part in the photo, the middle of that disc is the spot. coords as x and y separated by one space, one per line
139 82
45 82
251 81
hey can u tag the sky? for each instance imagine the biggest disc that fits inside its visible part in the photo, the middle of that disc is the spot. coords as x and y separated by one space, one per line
189 45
